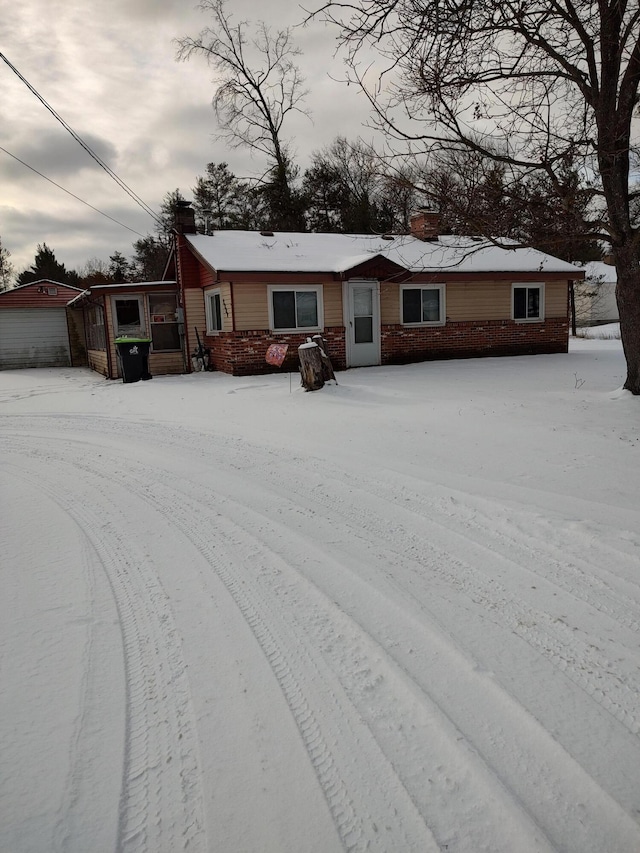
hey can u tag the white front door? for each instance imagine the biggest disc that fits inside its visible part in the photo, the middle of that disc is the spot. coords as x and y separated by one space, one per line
362 302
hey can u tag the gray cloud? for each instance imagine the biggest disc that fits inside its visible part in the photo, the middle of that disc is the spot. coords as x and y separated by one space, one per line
113 76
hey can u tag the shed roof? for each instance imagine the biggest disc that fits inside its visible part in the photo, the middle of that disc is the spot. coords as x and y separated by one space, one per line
253 251
115 286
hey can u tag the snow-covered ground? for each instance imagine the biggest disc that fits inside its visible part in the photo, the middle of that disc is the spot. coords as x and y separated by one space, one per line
398 614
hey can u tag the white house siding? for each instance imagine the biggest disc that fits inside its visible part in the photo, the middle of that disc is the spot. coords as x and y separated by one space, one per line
34 337
596 295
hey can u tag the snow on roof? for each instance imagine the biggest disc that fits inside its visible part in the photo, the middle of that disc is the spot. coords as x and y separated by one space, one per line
253 251
136 285
601 271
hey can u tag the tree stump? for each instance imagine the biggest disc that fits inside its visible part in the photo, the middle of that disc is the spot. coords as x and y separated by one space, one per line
327 367
311 374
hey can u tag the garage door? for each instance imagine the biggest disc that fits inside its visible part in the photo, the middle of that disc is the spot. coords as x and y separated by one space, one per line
33 337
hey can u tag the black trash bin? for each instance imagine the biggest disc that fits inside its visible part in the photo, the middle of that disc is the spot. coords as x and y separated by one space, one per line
133 355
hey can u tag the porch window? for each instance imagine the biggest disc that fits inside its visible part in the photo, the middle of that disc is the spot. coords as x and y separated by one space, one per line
96 338
128 316
299 309
423 306
528 302
213 305
163 308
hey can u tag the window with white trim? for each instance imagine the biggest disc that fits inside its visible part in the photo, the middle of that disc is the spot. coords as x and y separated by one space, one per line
295 309
528 302
213 306
423 306
128 319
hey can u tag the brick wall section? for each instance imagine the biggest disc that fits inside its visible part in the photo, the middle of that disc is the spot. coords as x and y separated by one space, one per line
402 345
243 353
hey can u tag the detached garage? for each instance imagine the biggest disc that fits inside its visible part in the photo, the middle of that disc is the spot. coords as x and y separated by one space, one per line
37 329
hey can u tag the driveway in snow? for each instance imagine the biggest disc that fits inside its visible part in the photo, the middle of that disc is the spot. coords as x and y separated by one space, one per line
398 614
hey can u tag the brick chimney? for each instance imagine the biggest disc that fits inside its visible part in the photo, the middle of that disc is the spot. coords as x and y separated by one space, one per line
185 218
425 225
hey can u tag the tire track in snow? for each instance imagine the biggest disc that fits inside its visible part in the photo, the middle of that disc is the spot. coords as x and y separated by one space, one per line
161 801
443 785
329 730
340 510
403 798
587 666
494 703
335 493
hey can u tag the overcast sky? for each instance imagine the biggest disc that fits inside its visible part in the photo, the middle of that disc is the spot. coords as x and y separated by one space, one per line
109 69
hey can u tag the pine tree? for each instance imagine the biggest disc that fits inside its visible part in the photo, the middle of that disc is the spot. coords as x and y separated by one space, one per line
46 266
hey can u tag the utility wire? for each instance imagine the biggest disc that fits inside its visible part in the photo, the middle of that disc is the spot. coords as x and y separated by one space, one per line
70 193
84 145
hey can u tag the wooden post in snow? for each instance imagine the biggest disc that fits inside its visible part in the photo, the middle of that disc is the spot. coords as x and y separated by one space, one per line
327 367
311 375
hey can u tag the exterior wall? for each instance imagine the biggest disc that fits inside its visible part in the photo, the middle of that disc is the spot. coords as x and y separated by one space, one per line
250 307
193 276
243 353
165 363
333 315
97 360
194 313
160 363
36 295
402 345
596 302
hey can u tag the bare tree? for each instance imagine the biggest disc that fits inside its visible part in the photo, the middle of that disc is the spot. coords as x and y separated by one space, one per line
259 86
530 85
7 271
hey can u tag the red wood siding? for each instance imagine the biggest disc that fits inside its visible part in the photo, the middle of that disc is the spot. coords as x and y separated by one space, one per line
36 295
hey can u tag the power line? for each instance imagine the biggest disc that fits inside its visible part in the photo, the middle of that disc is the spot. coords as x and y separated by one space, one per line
136 198
70 193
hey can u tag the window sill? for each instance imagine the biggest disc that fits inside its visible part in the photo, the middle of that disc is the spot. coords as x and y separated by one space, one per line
305 331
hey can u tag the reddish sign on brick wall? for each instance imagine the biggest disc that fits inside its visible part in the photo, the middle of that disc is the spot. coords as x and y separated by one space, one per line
276 354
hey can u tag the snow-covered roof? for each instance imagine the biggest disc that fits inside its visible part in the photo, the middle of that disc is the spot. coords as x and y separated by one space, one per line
137 285
600 271
252 251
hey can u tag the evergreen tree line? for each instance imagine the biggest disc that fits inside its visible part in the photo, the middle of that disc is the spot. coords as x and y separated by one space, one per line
348 188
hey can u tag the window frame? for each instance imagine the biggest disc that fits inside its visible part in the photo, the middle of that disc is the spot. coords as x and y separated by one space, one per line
441 288
528 285
96 328
129 297
209 297
170 323
297 288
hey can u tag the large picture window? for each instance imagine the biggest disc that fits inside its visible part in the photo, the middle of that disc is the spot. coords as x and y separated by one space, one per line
163 317
423 306
213 303
293 309
528 302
